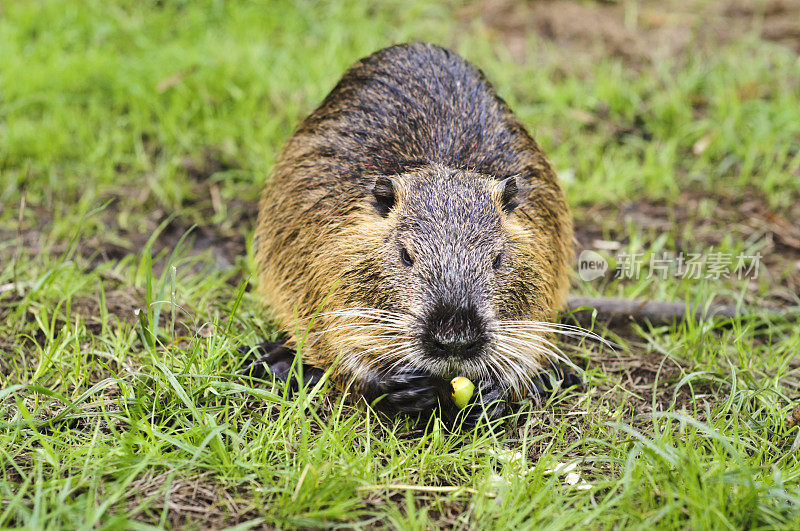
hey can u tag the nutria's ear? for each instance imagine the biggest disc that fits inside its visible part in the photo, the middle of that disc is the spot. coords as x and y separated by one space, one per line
508 192
383 190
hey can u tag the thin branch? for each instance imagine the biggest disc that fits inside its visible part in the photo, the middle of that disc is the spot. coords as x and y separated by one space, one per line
613 312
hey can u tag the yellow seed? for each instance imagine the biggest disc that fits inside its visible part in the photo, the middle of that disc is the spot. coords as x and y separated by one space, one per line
462 391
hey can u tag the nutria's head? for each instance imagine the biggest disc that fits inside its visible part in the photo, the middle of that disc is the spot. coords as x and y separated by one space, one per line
443 273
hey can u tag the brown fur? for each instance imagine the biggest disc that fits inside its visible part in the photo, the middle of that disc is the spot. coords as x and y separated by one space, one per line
424 117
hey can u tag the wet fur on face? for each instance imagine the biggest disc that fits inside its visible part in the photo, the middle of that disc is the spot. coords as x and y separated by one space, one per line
414 209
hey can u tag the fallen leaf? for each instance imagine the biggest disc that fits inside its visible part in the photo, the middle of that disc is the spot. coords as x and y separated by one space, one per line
701 145
170 81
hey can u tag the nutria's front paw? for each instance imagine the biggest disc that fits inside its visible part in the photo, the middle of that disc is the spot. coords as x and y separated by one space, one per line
545 383
409 392
487 404
276 359
272 358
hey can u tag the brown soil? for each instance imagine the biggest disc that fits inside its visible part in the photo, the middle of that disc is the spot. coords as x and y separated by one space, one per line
117 236
637 32
742 216
196 501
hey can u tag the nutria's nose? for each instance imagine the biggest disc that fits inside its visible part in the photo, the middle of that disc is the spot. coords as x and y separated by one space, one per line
457 348
454 331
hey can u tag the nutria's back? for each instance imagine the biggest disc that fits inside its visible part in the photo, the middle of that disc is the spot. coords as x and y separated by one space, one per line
417 210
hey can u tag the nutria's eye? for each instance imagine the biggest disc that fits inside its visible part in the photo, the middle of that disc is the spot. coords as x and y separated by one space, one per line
405 257
497 261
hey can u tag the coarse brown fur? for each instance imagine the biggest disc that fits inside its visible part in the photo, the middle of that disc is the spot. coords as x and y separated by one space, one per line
421 121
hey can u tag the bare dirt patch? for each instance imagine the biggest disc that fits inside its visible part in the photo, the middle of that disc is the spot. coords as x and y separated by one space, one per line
120 302
131 217
234 216
196 501
636 32
743 216
581 30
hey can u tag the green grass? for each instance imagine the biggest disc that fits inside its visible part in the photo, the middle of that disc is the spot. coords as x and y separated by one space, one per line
123 124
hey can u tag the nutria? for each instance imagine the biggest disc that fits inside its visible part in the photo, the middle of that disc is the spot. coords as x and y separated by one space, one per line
413 231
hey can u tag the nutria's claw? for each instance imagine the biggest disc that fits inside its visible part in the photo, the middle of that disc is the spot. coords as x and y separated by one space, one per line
276 359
